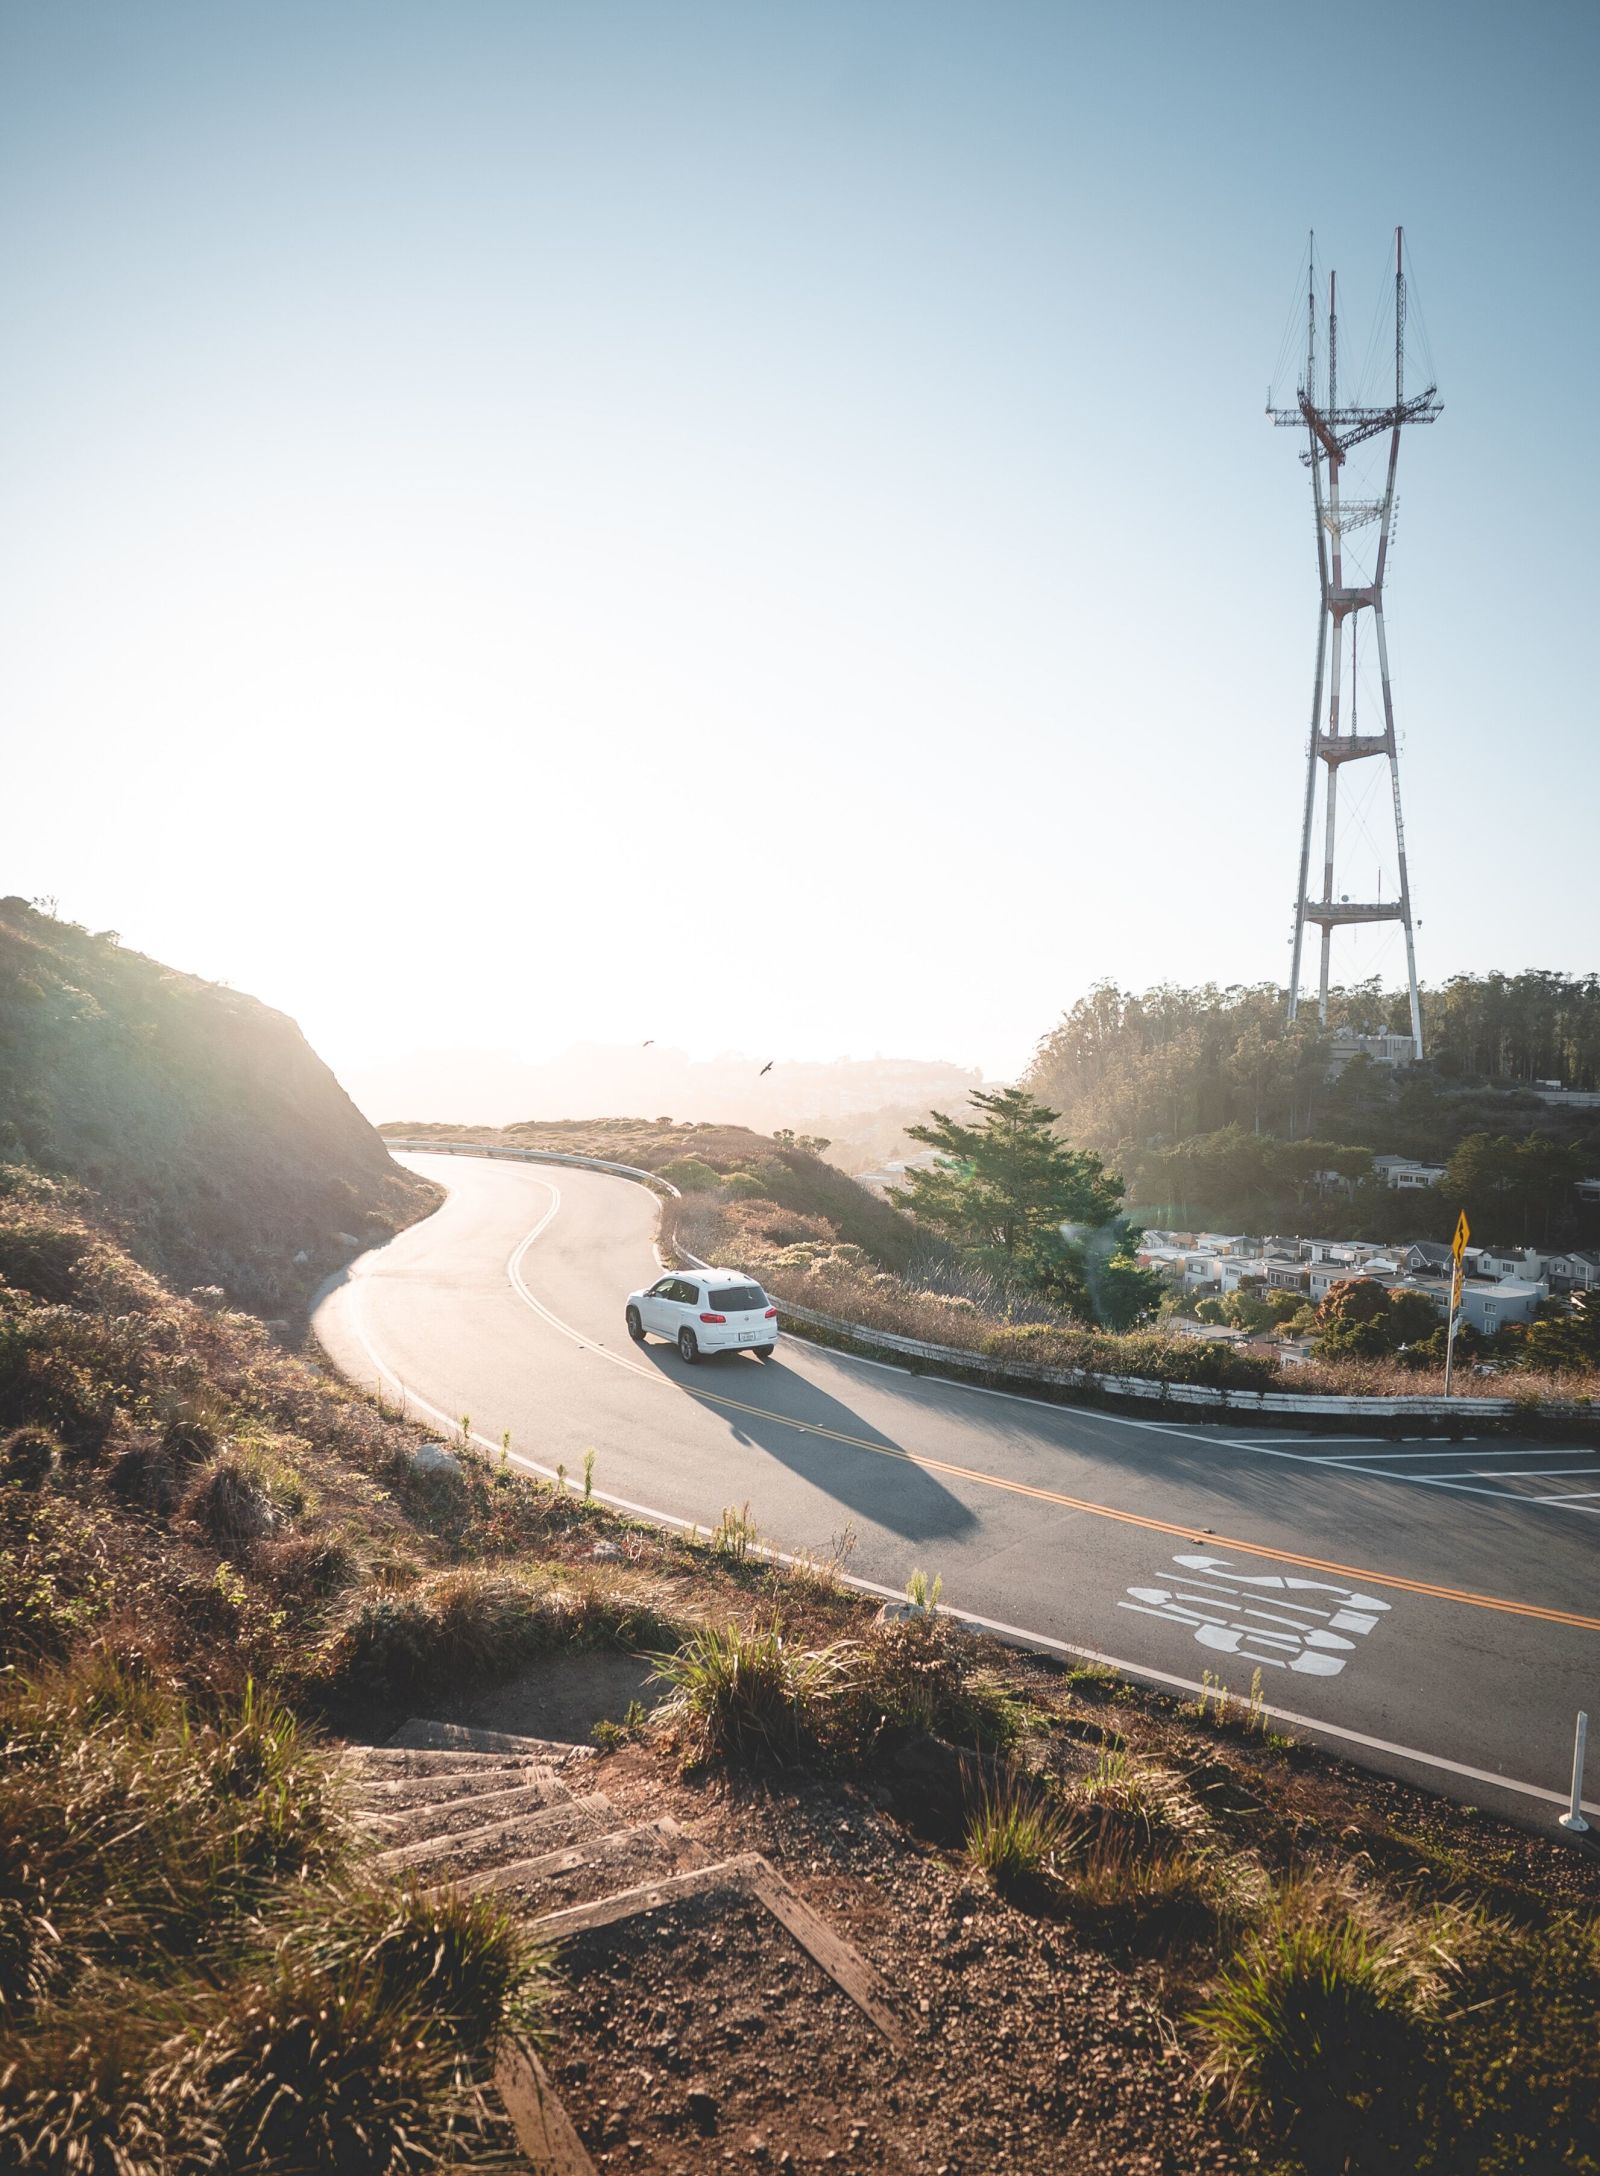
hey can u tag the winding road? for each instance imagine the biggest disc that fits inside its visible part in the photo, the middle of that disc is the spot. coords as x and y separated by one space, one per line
1429 1609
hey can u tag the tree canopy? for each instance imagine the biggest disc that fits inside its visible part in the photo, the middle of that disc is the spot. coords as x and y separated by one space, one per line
1009 1190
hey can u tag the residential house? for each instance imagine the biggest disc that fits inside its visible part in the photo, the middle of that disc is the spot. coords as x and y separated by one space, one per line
1492 1306
1404 1175
1578 1271
1517 1263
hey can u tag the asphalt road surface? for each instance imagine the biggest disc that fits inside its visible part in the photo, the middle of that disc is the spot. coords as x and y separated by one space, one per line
1430 1609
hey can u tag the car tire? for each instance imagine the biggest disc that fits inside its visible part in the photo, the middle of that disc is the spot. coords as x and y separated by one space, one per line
688 1347
764 1352
635 1326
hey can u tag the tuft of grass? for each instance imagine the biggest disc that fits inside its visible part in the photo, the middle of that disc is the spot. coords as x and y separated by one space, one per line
735 1533
1016 1835
609 1735
923 1592
739 1695
469 1958
131 1829
1316 2021
918 1673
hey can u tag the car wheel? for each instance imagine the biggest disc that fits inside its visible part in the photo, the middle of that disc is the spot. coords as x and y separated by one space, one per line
764 1352
689 1346
635 1326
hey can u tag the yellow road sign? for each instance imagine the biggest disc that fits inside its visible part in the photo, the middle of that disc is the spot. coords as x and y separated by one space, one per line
1458 1245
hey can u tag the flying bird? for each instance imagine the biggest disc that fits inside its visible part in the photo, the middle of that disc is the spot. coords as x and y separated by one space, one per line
645 1045
767 1068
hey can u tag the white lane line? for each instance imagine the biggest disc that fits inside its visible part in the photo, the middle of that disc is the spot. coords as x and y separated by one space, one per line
1576 1496
1449 1450
1503 1474
1137 1672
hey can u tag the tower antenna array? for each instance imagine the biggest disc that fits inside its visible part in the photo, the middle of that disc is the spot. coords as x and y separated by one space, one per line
1331 432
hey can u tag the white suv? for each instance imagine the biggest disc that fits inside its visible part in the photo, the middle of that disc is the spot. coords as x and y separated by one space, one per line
709 1310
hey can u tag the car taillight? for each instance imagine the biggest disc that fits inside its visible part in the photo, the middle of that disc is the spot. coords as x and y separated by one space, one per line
713 1318
772 1314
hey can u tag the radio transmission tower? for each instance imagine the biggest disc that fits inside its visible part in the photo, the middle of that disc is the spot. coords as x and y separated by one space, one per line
1331 432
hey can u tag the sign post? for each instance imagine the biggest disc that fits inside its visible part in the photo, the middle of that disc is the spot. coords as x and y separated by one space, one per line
1458 1247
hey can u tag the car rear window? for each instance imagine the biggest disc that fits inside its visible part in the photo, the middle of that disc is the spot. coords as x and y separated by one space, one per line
738 1299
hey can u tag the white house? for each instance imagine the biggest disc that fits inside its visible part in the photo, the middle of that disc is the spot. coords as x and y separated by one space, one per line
1578 1271
1404 1175
1490 1307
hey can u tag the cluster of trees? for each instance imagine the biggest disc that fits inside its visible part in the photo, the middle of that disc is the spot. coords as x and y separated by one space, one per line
1170 1062
1521 1190
1011 1194
1222 1114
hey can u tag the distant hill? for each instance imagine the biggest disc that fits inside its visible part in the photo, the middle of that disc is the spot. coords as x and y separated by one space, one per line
841 1097
198 1118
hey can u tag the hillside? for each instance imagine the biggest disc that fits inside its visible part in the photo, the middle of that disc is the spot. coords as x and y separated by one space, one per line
199 1119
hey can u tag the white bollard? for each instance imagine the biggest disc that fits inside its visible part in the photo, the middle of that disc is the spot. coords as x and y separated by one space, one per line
1573 1819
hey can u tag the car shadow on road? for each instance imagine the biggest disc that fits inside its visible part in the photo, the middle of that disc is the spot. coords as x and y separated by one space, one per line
780 1414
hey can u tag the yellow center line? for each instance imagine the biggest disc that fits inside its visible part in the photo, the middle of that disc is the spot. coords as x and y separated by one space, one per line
1429 1588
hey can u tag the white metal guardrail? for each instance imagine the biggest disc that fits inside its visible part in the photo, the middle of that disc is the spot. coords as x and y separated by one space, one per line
1147 1390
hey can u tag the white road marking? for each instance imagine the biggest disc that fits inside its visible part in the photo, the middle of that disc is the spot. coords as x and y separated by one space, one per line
1448 1450
1042 1642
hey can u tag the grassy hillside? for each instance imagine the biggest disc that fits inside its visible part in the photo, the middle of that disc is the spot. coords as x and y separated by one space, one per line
200 1120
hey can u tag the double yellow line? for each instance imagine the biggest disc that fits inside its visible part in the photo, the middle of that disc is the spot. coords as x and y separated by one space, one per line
1360 1573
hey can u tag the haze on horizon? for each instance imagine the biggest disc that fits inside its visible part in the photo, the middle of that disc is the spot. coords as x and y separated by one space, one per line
541 526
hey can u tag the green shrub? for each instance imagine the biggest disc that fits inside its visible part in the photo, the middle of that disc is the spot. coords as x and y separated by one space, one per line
28 1456
744 1186
1316 2023
738 1695
690 1175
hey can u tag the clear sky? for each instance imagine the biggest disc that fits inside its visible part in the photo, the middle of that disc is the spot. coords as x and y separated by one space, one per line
753 524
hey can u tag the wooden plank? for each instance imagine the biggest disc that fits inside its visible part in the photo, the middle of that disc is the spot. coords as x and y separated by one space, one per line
591 1851
650 1896
594 1807
420 1735
844 1965
543 2127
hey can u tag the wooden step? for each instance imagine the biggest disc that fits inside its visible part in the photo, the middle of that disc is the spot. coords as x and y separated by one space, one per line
461 1850
502 1787
593 1866
406 1760
421 1735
